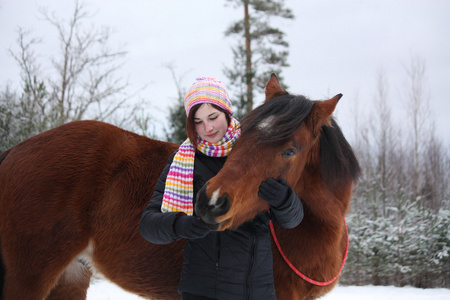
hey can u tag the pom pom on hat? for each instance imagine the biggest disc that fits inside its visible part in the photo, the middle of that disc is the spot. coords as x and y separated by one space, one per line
207 90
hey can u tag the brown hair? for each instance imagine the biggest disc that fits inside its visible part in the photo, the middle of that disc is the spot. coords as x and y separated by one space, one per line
190 124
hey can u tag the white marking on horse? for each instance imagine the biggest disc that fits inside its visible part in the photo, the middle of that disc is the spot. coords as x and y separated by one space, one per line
77 272
86 255
266 124
81 268
214 198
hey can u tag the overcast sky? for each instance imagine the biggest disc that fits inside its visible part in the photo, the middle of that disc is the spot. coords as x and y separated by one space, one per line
335 47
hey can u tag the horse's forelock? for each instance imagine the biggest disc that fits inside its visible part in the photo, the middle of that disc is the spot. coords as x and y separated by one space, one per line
277 120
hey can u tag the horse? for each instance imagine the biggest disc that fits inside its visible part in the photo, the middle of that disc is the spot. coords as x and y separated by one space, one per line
297 139
71 199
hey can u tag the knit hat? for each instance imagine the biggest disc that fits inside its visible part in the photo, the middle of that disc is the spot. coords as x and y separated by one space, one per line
207 90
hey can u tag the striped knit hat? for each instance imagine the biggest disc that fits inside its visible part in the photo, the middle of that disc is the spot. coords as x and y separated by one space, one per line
207 90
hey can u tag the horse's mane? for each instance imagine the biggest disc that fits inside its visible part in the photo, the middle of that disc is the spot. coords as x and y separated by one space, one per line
338 163
3 155
286 114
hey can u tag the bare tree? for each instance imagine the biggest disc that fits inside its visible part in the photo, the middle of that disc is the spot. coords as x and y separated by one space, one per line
34 100
419 114
435 184
383 119
86 68
82 81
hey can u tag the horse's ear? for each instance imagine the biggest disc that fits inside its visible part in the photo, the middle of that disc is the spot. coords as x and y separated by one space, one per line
322 111
273 88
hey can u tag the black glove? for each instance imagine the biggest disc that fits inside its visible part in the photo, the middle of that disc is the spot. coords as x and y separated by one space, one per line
190 227
274 192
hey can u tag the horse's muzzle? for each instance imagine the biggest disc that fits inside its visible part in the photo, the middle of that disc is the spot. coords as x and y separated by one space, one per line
208 209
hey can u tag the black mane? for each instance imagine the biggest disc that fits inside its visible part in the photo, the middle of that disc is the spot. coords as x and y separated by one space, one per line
288 113
338 163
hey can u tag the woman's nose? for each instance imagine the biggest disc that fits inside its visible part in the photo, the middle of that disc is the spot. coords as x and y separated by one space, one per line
208 126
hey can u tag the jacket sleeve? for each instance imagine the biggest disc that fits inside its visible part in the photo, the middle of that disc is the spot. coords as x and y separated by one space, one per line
156 226
290 213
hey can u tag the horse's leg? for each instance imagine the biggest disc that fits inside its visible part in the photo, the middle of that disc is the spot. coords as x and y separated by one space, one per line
20 284
2 274
31 272
35 283
73 283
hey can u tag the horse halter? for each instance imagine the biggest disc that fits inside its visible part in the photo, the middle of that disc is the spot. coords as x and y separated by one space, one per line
300 274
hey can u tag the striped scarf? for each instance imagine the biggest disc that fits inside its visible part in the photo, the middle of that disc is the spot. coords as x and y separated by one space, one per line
179 190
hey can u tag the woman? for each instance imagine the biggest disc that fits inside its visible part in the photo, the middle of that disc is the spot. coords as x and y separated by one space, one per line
217 264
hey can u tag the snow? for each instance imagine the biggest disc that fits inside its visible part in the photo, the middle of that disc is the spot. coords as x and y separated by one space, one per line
104 290
386 293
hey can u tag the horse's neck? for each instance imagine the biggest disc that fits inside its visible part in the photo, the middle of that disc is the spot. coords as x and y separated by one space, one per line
326 205
314 246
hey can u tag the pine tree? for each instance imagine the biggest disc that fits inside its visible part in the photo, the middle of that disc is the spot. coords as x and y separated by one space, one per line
260 51
23 116
176 133
177 116
8 122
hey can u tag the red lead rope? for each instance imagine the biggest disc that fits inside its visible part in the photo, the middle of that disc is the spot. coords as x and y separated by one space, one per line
304 277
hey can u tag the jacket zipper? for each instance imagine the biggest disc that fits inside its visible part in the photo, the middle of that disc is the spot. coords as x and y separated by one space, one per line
250 267
217 258
218 251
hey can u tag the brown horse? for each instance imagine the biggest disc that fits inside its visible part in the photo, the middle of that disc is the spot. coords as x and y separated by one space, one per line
71 200
295 138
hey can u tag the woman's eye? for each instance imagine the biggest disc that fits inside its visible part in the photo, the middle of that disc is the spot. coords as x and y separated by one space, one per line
213 118
288 152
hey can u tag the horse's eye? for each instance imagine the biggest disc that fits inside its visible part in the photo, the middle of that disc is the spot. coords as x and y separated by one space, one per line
289 152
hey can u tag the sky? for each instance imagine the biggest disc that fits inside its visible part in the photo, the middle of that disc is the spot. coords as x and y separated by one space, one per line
335 47
104 290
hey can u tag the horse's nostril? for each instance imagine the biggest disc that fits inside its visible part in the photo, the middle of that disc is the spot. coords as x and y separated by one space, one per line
222 205
201 204
209 208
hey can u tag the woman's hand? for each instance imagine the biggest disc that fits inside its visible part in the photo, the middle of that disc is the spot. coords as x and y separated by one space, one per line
190 227
274 192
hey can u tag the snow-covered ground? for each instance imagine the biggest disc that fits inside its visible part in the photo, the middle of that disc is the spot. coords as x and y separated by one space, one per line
103 290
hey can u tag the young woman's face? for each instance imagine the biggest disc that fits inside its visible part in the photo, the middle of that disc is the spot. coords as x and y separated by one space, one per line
210 123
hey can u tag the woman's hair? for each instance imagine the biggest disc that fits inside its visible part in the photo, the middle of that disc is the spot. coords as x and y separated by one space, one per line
190 123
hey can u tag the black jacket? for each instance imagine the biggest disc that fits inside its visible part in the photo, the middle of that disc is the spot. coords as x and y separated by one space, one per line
225 264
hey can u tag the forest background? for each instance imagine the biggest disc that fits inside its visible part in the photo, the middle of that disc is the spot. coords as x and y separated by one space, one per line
72 66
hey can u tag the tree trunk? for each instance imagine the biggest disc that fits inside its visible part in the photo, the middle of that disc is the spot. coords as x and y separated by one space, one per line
248 50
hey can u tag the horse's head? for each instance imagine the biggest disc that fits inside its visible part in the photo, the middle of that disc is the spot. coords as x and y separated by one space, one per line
279 138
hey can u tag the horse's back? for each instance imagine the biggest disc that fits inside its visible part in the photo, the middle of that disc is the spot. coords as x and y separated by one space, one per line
64 171
67 164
